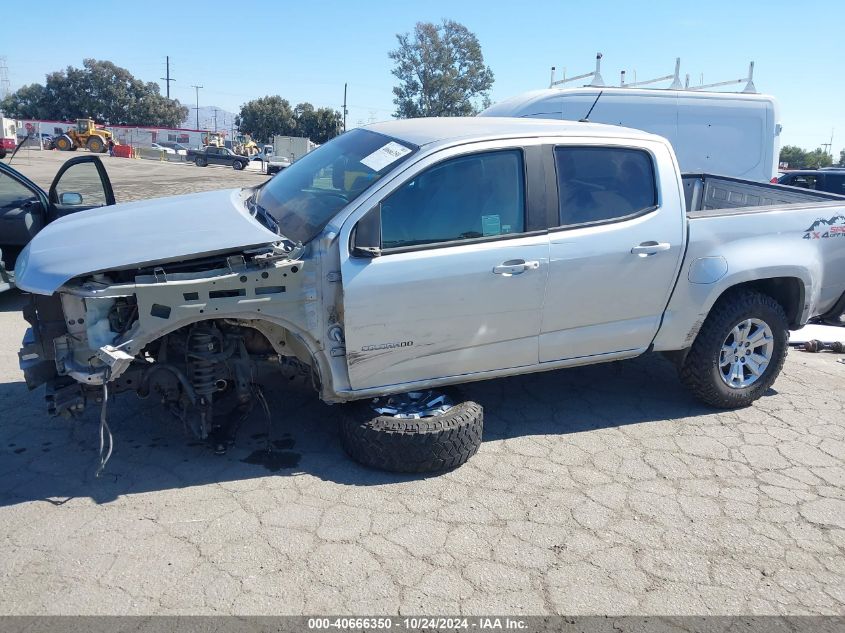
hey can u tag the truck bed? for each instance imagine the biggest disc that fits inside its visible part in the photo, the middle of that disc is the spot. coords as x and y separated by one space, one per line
744 223
707 195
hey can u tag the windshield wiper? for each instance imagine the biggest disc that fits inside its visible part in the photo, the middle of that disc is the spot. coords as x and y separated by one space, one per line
262 215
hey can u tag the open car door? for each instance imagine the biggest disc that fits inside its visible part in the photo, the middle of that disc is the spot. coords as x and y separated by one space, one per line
82 183
23 212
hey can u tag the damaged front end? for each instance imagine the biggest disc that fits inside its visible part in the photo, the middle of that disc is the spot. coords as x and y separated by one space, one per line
195 335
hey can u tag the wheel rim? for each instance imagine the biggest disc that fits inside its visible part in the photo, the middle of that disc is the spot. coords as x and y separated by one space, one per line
746 353
413 405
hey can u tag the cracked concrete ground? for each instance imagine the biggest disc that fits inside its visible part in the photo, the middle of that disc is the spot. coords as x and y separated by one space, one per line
602 489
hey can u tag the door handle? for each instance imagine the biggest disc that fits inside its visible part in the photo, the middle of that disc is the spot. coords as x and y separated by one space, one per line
650 248
515 267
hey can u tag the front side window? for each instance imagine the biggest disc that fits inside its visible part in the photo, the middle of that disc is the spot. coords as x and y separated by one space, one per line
481 195
81 185
600 184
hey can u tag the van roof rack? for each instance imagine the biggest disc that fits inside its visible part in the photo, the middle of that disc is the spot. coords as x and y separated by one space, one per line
597 81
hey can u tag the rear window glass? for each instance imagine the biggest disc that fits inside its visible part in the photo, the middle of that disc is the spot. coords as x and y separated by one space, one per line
600 184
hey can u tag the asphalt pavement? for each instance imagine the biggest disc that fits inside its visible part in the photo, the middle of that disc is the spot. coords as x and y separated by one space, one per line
601 489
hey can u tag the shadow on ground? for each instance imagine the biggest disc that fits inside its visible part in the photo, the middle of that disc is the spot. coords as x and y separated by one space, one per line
12 301
54 459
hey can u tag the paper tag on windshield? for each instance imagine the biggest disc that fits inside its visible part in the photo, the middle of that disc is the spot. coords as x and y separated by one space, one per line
385 155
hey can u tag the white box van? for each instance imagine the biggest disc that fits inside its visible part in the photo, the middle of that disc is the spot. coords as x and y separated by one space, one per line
730 134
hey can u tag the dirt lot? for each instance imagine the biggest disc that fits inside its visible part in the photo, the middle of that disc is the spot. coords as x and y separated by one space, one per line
599 489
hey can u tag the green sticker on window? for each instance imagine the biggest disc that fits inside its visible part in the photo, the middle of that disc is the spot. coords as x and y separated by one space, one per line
491 225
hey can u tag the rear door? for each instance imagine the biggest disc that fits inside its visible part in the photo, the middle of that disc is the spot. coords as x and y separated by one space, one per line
615 254
23 212
82 183
834 182
458 286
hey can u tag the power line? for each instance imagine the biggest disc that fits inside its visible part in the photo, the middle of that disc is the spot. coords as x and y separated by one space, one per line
168 79
5 88
197 88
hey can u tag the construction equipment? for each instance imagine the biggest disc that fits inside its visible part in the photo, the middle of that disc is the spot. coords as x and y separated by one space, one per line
86 134
214 139
245 146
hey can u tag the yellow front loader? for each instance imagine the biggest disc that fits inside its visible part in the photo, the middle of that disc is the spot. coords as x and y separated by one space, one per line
85 134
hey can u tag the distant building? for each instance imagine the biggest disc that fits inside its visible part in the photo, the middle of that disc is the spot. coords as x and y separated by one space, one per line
134 135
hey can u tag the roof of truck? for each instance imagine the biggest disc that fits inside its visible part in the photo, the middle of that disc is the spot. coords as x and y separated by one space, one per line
450 129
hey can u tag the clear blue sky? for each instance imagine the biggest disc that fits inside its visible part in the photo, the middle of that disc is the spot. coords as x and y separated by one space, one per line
306 51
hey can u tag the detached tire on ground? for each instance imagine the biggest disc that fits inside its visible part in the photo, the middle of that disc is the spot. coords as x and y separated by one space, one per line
412 445
739 351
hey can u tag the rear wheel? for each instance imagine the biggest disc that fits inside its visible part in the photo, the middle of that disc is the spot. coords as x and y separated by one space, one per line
200 162
63 143
96 145
416 432
739 351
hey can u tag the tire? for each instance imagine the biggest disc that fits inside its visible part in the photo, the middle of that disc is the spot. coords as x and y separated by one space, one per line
238 165
200 162
415 445
702 370
63 143
95 145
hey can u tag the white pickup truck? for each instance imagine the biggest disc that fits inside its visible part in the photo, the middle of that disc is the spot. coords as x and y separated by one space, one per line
408 256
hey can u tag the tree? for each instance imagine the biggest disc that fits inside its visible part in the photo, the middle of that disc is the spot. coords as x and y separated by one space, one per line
793 156
441 72
100 91
842 158
817 158
319 124
264 117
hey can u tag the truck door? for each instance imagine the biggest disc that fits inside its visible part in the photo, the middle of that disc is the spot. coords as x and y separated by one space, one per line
615 255
457 286
82 183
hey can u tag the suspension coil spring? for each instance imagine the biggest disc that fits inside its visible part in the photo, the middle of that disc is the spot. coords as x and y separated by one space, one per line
203 346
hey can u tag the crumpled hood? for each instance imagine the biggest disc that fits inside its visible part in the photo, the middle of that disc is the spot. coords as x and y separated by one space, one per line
137 233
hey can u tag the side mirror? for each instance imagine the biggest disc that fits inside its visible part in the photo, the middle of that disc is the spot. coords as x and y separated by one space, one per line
366 238
70 198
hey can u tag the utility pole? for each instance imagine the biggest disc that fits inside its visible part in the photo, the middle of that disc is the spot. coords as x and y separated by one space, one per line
197 88
345 111
215 119
167 78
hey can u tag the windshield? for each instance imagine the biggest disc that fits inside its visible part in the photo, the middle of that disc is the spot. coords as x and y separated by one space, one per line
306 195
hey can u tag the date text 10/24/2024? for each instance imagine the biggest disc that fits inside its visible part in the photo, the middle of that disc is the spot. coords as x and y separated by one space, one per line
417 623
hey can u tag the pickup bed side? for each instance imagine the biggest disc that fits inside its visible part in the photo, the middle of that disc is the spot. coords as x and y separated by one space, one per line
799 259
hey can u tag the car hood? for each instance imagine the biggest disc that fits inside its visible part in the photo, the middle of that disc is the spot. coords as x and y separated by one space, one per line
137 233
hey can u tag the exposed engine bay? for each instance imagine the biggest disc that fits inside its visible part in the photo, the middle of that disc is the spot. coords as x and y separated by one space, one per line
195 338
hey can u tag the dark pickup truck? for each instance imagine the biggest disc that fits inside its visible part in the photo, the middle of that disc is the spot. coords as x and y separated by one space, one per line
211 155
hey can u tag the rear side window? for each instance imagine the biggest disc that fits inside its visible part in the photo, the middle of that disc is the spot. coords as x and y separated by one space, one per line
480 195
600 184
835 183
805 181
